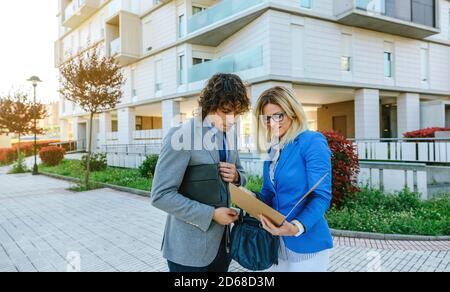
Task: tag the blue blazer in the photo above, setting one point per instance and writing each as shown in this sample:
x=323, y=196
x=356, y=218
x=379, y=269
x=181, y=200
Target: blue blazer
x=301, y=165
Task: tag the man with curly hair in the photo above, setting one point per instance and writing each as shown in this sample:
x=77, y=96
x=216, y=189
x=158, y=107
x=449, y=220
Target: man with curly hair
x=197, y=235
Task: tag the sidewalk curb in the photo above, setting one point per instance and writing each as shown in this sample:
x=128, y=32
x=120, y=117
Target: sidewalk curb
x=379, y=236
x=105, y=185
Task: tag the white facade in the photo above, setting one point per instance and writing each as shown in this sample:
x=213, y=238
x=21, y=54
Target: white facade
x=344, y=72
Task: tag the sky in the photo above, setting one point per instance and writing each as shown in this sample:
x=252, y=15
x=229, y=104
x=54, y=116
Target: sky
x=28, y=30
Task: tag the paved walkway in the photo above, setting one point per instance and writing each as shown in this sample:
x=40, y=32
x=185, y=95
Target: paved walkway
x=44, y=227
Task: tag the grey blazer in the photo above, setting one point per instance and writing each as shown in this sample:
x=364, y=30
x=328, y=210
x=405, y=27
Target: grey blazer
x=191, y=237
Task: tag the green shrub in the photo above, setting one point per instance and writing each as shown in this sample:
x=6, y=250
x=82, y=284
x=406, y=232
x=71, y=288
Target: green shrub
x=254, y=183
x=400, y=213
x=98, y=162
x=147, y=169
x=19, y=166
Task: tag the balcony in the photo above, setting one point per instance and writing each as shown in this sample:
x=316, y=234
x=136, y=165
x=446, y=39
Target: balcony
x=223, y=20
x=78, y=11
x=117, y=6
x=415, y=19
x=247, y=60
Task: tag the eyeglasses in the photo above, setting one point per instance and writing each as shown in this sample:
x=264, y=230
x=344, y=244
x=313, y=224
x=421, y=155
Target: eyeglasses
x=277, y=118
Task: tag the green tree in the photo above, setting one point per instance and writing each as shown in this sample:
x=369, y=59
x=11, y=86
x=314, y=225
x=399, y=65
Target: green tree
x=94, y=82
x=17, y=116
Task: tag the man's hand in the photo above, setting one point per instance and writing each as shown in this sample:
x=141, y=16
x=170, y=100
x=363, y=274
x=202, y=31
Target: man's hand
x=229, y=173
x=225, y=216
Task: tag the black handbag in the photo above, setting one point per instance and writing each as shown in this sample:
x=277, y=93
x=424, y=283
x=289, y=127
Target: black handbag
x=252, y=246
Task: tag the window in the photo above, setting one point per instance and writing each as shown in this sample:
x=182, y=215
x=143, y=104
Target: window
x=346, y=64
x=424, y=60
x=133, y=83
x=181, y=71
x=306, y=4
x=196, y=9
x=388, y=64
x=158, y=77
x=346, y=59
x=181, y=26
x=196, y=61
x=423, y=12
x=449, y=25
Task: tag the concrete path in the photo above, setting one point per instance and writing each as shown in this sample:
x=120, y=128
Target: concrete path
x=44, y=227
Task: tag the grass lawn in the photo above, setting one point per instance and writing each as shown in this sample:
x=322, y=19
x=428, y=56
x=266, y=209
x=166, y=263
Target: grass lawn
x=130, y=178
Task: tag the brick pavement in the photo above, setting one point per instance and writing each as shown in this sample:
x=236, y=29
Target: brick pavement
x=44, y=227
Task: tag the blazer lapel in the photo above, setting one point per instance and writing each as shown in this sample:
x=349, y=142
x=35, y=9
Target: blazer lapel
x=213, y=152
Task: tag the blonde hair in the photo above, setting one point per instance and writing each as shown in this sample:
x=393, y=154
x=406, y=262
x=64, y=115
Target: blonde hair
x=286, y=99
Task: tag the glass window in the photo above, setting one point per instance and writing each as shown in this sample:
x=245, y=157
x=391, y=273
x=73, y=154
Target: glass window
x=306, y=4
x=196, y=9
x=424, y=64
x=387, y=64
x=346, y=64
x=158, y=77
x=181, y=71
x=181, y=26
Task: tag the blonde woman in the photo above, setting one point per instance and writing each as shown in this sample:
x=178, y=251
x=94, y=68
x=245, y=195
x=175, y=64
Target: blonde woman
x=298, y=160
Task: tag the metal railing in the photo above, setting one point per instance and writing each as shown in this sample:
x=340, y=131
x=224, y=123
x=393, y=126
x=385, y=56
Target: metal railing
x=130, y=155
x=424, y=150
x=72, y=146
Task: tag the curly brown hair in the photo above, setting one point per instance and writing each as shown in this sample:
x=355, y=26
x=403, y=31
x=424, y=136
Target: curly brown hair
x=225, y=92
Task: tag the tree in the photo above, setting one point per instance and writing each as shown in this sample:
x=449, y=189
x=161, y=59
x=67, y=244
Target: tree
x=17, y=115
x=94, y=82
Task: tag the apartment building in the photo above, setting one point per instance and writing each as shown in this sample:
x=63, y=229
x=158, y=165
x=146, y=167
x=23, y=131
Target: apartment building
x=368, y=69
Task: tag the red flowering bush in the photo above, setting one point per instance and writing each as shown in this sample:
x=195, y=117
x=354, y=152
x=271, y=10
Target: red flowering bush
x=345, y=164
x=40, y=144
x=26, y=149
x=425, y=133
x=7, y=155
x=52, y=155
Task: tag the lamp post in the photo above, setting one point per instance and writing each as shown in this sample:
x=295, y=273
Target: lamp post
x=34, y=81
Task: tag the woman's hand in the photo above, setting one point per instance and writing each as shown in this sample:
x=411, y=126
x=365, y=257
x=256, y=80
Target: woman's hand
x=287, y=229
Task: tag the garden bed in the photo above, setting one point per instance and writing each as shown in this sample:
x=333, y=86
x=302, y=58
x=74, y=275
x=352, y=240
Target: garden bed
x=129, y=178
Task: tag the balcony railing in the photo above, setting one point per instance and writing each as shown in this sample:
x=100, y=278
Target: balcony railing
x=118, y=5
x=416, y=19
x=374, y=6
x=148, y=135
x=223, y=10
x=246, y=60
x=115, y=47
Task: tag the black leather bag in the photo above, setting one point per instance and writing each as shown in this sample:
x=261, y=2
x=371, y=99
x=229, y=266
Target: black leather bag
x=252, y=246
x=202, y=183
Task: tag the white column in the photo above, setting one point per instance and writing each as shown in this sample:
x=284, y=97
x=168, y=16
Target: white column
x=76, y=132
x=63, y=130
x=408, y=113
x=171, y=115
x=367, y=114
x=127, y=125
x=105, y=127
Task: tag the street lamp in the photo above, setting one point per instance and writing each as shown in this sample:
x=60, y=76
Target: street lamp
x=34, y=81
